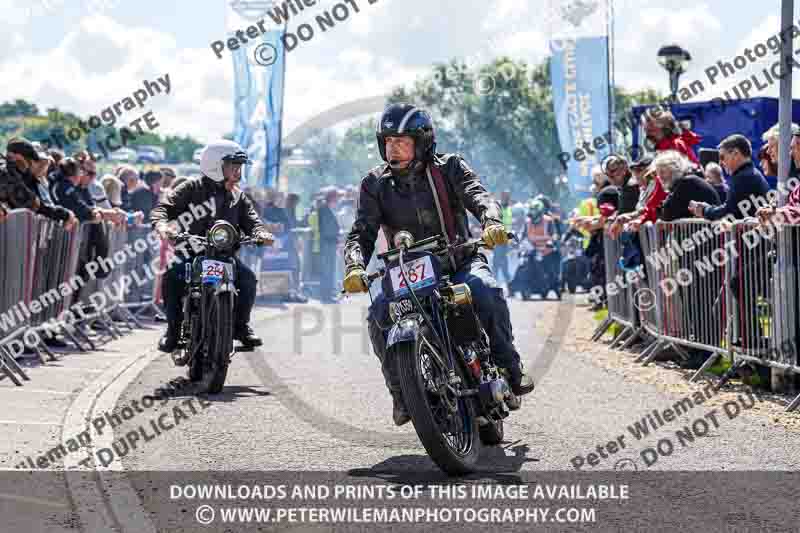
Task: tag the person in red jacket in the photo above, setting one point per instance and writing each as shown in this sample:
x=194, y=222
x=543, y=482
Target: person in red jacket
x=652, y=195
x=666, y=134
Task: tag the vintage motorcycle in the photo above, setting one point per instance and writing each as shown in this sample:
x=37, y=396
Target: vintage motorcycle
x=455, y=394
x=206, y=336
x=537, y=274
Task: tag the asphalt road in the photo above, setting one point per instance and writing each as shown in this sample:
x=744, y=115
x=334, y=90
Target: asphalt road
x=311, y=407
x=314, y=399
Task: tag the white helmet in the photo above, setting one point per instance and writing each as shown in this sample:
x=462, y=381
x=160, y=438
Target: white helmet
x=215, y=153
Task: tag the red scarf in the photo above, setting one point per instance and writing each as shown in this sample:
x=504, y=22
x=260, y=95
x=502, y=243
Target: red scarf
x=682, y=143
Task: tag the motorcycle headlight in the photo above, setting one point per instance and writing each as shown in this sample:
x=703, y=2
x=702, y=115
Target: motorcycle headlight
x=222, y=236
x=403, y=239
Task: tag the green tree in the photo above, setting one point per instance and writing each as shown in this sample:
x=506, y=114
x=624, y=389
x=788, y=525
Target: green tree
x=499, y=116
x=18, y=108
x=357, y=152
x=180, y=148
x=22, y=118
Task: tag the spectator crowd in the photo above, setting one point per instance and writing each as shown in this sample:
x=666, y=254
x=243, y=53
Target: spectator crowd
x=666, y=185
x=670, y=184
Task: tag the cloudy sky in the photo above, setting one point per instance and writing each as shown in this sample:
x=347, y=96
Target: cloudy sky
x=83, y=55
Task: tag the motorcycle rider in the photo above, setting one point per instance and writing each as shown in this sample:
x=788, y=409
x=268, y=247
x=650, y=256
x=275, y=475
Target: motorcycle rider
x=428, y=193
x=221, y=164
x=550, y=212
x=542, y=233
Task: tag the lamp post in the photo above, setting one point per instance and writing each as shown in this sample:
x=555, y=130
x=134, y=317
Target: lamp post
x=674, y=60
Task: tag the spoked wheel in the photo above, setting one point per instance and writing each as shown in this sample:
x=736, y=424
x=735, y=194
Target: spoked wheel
x=446, y=424
x=219, y=343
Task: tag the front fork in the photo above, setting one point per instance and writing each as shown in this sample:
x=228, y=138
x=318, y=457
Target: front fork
x=408, y=330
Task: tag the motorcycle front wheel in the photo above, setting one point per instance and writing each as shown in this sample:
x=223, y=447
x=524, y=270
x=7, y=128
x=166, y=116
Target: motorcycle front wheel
x=196, y=364
x=450, y=438
x=219, y=343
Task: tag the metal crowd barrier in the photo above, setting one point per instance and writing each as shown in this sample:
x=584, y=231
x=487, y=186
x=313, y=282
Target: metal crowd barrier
x=97, y=296
x=764, y=296
x=135, y=258
x=620, y=290
x=40, y=281
x=56, y=254
x=725, y=289
x=17, y=258
x=151, y=257
x=650, y=302
x=689, y=266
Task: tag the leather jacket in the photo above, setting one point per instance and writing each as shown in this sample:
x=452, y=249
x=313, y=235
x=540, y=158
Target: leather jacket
x=20, y=189
x=207, y=202
x=13, y=191
x=407, y=203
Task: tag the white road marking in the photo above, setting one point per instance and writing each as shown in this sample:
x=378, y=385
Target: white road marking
x=37, y=501
x=26, y=423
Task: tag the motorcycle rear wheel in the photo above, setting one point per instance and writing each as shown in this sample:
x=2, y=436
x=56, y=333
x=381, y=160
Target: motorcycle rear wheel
x=455, y=453
x=220, y=343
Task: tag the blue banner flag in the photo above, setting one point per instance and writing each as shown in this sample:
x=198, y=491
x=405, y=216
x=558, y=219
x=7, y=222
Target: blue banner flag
x=258, y=106
x=579, y=72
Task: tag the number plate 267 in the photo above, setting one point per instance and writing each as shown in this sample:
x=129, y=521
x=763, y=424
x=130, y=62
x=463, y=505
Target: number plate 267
x=419, y=274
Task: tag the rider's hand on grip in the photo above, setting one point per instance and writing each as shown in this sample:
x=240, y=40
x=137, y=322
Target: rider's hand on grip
x=166, y=231
x=495, y=234
x=355, y=282
x=264, y=238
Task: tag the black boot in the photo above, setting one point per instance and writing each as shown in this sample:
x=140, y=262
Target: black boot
x=520, y=382
x=247, y=337
x=169, y=342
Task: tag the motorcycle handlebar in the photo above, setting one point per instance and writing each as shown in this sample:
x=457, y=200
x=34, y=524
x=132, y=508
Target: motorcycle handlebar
x=370, y=278
x=480, y=242
x=180, y=237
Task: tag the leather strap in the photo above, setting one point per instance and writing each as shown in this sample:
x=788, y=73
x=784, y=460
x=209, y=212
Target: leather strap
x=446, y=217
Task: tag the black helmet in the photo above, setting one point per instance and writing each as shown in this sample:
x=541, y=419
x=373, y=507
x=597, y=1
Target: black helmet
x=545, y=201
x=536, y=210
x=240, y=157
x=407, y=119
